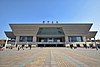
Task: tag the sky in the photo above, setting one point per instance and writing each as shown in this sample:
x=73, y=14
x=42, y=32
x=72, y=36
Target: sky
x=36, y=11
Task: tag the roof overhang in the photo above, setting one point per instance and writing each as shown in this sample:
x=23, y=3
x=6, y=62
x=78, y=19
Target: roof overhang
x=30, y=29
x=91, y=34
x=10, y=34
x=16, y=26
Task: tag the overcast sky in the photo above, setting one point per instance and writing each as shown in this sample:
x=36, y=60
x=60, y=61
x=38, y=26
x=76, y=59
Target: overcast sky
x=32, y=11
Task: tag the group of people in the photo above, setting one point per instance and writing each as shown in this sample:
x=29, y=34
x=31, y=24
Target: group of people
x=22, y=46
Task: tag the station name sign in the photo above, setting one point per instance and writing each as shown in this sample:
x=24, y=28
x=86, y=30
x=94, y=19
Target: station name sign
x=49, y=22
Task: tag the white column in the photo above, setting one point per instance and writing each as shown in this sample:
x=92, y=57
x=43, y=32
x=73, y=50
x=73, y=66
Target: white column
x=15, y=43
x=34, y=39
x=17, y=40
x=84, y=39
x=27, y=43
x=6, y=43
x=95, y=43
x=66, y=39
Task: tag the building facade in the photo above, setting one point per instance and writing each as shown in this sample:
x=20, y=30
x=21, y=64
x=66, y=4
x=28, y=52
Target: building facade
x=52, y=35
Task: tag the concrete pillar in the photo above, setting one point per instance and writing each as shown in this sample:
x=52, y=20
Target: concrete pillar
x=27, y=43
x=6, y=43
x=17, y=40
x=34, y=39
x=95, y=43
x=66, y=39
x=84, y=39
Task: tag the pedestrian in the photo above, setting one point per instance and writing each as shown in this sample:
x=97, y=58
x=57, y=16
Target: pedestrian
x=18, y=47
x=71, y=46
x=29, y=46
x=23, y=46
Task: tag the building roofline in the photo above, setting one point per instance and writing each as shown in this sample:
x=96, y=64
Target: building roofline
x=9, y=34
x=50, y=23
x=93, y=31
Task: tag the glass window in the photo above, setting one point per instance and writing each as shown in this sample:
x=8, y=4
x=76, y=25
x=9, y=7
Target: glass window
x=13, y=39
x=26, y=38
x=50, y=31
x=75, y=38
x=29, y=38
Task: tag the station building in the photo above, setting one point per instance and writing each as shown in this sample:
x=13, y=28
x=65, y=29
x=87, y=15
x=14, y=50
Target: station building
x=52, y=34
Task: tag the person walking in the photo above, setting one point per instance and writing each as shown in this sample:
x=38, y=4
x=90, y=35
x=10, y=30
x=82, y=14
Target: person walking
x=29, y=46
x=18, y=47
x=23, y=46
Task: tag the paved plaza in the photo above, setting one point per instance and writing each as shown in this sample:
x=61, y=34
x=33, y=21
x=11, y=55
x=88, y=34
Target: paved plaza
x=50, y=57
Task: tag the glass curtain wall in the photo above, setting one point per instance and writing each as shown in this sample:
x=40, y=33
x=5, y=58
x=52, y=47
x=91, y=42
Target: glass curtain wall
x=39, y=39
x=26, y=38
x=75, y=39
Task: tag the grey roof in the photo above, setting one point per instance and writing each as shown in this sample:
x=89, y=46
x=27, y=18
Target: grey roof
x=91, y=34
x=10, y=34
x=68, y=29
